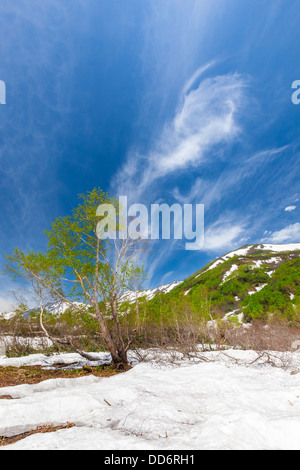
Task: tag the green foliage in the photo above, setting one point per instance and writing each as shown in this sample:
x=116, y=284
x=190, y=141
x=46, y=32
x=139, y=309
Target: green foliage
x=276, y=298
x=207, y=294
x=78, y=266
x=71, y=270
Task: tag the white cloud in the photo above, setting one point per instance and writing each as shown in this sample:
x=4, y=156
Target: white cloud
x=290, y=208
x=188, y=85
x=205, y=120
x=210, y=192
x=222, y=237
x=287, y=234
x=6, y=304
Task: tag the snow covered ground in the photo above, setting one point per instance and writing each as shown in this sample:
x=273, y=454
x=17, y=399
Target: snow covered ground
x=34, y=342
x=229, y=400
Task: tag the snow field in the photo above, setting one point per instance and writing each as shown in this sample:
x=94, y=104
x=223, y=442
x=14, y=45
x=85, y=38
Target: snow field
x=223, y=404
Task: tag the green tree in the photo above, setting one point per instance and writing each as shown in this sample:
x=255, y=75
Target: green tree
x=79, y=267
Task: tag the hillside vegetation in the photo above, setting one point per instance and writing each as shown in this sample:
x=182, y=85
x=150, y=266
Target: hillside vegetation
x=255, y=285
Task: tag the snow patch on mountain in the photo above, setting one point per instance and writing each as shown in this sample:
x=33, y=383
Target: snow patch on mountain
x=257, y=289
x=130, y=296
x=243, y=252
x=280, y=248
x=233, y=268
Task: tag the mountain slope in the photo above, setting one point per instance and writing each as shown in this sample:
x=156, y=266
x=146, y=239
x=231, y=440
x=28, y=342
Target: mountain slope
x=253, y=282
x=130, y=296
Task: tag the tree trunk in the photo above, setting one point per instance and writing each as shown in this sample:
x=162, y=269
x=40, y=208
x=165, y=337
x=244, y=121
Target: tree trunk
x=116, y=355
x=122, y=351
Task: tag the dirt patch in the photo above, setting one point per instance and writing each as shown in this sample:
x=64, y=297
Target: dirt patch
x=5, y=441
x=10, y=376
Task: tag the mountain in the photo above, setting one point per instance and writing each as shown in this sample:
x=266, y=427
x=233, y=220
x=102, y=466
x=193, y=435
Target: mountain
x=54, y=308
x=7, y=315
x=60, y=307
x=253, y=282
x=130, y=296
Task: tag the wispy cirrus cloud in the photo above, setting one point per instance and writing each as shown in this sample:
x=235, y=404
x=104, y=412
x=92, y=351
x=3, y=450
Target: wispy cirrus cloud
x=226, y=232
x=222, y=235
x=206, y=119
x=211, y=191
x=291, y=233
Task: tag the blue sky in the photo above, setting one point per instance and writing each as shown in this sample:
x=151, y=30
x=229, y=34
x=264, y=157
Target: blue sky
x=183, y=101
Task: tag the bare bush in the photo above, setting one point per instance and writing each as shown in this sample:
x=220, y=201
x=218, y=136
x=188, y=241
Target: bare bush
x=274, y=336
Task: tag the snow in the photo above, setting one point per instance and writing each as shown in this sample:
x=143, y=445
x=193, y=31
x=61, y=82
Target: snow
x=57, y=308
x=238, y=316
x=212, y=266
x=215, y=264
x=48, y=361
x=280, y=248
x=220, y=400
x=7, y=315
x=130, y=296
x=241, y=252
x=34, y=342
x=257, y=289
x=60, y=307
x=274, y=259
x=54, y=308
x=233, y=268
x=233, y=401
